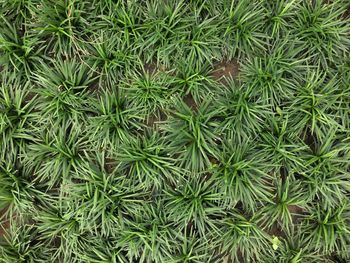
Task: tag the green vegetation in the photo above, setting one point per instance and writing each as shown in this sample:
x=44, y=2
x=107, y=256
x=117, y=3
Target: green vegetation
x=174, y=131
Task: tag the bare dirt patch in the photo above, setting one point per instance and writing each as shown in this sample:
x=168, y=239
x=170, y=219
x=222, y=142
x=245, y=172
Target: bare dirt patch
x=225, y=70
x=152, y=68
x=109, y=165
x=189, y=100
x=4, y=223
x=297, y=213
x=154, y=120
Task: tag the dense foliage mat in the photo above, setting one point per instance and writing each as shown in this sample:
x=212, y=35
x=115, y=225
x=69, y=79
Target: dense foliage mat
x=174, y=131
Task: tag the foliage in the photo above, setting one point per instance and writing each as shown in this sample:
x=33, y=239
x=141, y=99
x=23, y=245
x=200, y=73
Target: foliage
x=174, y=131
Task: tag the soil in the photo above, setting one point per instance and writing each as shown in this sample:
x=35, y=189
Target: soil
x=310, y=140
x=346, y=13
x=152, y=68
x=109, y=165
x=296, y=212
x=5, y=224
x=225, y=70
x=189, y=100
x=276, y=230
x=154, y=120
x=3, y=228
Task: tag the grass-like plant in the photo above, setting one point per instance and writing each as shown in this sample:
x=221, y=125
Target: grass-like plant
x=54, y=153
x=243, y=27
x=192, y=135
x=241, y=238
x=113, y=120
x=17, y=11
x=16, y=115
x=327, y=230
x=149, y=91
x=61, y=25
x=288, y=196
x=321, y=30
x=148, y=236
x=242, y=176
x=274, y=76
x=327, y=168
x=64, y=88
x=146, y=160
x=174, y=131
x=279, y=13
x=17, y=194
x=281, y=146
x=191, y=248
x=192, y=203
x=243, y=114
x=316, y=104
x=19, y=50
x=18, y=245
x=194, y=80
x=165, y=28
x=108, y=56
x=295, y=249
x=202, y=43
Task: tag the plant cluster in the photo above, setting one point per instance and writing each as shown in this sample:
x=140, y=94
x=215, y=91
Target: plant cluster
x=175, y=131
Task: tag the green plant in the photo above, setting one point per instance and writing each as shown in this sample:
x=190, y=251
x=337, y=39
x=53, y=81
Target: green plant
x=242, y=176
x=321, y=30
x=192, y=248
x=201, y=44
x=288, y=196
x=148, y=236
x=325, y=176
x=55, y=153
x=279, y=14
x=316, y=104
x=194, y=80
x=19, y=50
x=327, y=230
x=241, y=238
x=146, y=160
x=149, y=91
x=18, y=245
x=165, y=28
x=241, y=113
x=191, y=135
x=274, y=76
x=282, y=146
x=61, y=24
x=109, y=55
x=192, y=204
x=16, y=116
x=17, y=194
x=113, y=120
x=174, y=131
x=243, y=27
x=294, y=249
x=63, y=89
x=17, y=11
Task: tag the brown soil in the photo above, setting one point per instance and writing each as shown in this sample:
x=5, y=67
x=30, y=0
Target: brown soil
x=296, y=212
x=5, y=224
x=226, y=70
x=310, y=140
x=152, y=68
x=346, y=13
x=154, y=120
x=189, y=100
x=275, y=230
x=109, y=165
